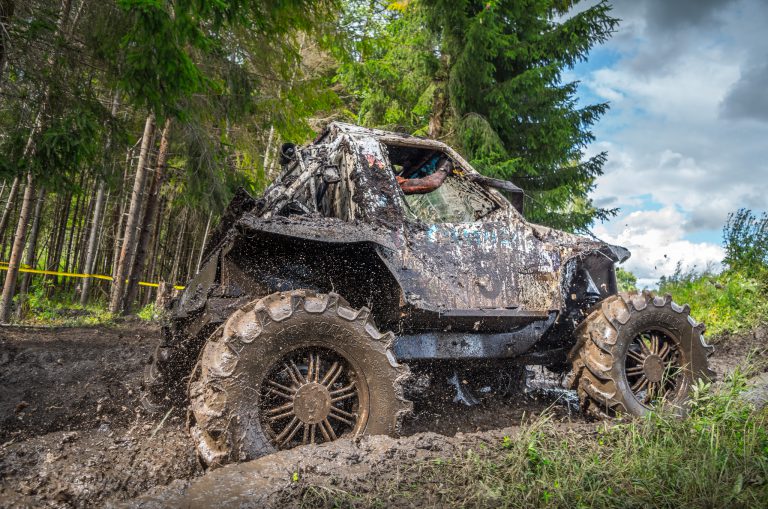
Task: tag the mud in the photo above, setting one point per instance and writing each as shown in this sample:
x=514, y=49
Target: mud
x=74, y=434
x=66, y=379
x=732, y=350
x=278, y=480
x=72, y=430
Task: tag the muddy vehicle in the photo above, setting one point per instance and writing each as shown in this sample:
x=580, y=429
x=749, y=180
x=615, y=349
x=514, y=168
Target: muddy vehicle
x=375, y=251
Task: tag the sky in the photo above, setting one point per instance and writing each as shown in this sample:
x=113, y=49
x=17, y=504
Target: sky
x=687, y=131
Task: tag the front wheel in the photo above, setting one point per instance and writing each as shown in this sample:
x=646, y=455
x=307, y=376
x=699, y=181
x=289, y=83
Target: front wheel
x=637, y=351
x=290, y=369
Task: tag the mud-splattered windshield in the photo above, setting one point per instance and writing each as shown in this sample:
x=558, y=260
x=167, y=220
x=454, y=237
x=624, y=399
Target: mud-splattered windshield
x=434, y=190
x=456, y=201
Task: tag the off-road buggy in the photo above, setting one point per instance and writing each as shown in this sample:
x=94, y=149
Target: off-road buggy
x=314, y=299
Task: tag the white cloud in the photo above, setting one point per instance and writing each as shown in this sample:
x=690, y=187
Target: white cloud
x=655, y=238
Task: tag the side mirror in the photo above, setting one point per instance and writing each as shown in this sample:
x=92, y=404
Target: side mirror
x=511, y=192
x=287, y=153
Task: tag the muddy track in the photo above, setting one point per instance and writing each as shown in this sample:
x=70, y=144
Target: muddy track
x=65, y=379
x=74, y=434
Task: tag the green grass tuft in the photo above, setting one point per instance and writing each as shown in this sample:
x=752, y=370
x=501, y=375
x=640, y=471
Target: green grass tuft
x=64, y=311
x=726, y=302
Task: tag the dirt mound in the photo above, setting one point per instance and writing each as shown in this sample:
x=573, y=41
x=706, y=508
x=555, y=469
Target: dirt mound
x=87, y=468
x=731, y=350
x=279, y=479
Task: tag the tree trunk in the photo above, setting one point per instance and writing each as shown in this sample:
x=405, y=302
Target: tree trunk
x=155, y=245
x=167, y=245
x=90, y=256
x=117, y=304
x=179, y=242
x=73, y=233
x=9, y=286
x=190, y=253
x=439, y=106
x=6, y=13
x=439, y=100
x=7, y=212
x=202, y=245
x=270, y=140
x=148, y=222
x=57, y=245
x=98, y=209
x=82, y=237
x=31, y=253
x=6, y=301
x=120, y=210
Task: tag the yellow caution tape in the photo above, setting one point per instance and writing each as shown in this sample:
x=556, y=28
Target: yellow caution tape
x=27, y=268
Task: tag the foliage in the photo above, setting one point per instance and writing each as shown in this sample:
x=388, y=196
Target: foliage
x=728, y=302
x=717, y=457
x=514, y=116
x=150, y=313
x=389, y=67
x=745, y=237
x=81, y=77
x=64, y=311
x=626, y=280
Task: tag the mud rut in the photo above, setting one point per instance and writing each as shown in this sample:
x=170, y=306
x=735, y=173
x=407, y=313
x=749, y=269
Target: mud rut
x=73, y=433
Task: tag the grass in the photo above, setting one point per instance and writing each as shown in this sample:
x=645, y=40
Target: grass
x=727, y=302
x=717, y=457
x=65, y=312
x=150, y=313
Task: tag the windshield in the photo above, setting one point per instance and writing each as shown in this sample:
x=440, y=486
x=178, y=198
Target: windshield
x=457, y=200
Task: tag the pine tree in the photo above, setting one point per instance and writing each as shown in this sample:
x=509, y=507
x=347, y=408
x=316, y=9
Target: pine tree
x=514, y=114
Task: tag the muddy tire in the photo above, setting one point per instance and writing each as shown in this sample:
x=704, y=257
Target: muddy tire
x=637, y=351
x=293, y=368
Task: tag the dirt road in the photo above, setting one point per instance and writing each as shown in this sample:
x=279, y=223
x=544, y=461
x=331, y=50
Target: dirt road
x=73, y=434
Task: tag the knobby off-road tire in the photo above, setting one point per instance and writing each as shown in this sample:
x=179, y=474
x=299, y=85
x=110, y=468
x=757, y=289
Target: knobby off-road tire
x=293, y=368
x=635, y=351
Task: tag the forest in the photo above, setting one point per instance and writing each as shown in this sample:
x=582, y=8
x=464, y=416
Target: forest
x=127, y=125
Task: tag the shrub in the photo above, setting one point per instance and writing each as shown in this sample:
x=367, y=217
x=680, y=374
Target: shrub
x=626, y=280
x=726, y=302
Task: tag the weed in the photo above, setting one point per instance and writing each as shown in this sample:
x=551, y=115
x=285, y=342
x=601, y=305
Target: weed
x=63, y=311
x=150, y=313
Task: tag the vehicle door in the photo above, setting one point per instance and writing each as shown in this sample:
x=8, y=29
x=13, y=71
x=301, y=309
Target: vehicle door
x=467, y=249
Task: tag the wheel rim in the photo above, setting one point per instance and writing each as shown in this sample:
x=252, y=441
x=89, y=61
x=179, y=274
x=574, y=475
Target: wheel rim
x=312, y=395
x=652, y=366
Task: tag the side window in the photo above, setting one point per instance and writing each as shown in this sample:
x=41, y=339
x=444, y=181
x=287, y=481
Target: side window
x=435, y=191
x=457, y=200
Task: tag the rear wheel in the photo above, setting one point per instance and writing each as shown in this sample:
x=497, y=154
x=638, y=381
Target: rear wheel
x=635, y=352
x=293, y=368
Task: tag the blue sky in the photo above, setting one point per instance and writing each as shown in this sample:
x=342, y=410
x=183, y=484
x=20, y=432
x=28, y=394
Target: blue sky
x=687, y=132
